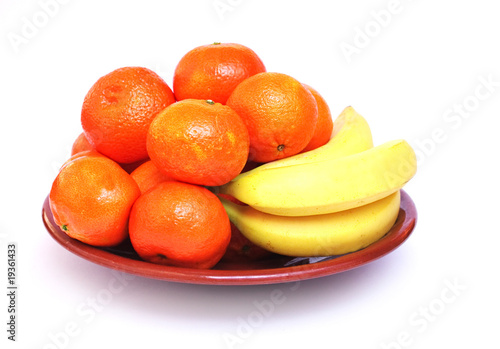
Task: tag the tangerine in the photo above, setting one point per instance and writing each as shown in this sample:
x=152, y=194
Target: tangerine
x=213, y=71
x=91, y=199
x=324, y=126
x=279, y=112
x=118, y=110
x=80, y=144
x=147, y=176
x=179, y=224
x=199, y=142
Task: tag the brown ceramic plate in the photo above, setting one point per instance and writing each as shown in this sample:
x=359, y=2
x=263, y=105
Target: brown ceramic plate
x=275, y=269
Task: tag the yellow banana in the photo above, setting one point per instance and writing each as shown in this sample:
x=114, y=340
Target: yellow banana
x=351, y=134
x=327, y=186
x=321, y=235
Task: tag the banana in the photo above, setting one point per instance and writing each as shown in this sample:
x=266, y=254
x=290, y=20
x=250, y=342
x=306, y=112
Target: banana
x=315, y=236
x=351, y=134
x=329, y=185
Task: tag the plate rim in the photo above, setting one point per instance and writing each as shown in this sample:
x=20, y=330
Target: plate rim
x=398, y=234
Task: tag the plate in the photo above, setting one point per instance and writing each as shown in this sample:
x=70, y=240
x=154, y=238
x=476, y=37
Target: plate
x=275, y=269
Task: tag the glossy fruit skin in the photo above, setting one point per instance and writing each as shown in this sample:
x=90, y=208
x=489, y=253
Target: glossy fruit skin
x=324, y=126
x=213, y=71
x=198, y=142
x=179, y=224
x=327, y=186
x=322, y=235
x=279, y=112
x=351, y=134
x=148, y=176
x=118, y=110
x=91, y=199
x=81, y=144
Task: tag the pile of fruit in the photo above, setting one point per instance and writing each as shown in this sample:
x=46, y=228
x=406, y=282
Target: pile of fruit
x=233, y=162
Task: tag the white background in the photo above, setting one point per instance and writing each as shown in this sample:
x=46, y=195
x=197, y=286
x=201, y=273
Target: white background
x=408, y=73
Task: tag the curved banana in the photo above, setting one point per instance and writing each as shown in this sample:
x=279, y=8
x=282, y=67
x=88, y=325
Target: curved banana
x=351, y=134
x=315, y=236
x=329, y=185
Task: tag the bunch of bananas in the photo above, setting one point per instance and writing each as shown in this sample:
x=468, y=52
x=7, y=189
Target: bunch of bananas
x=333, y=200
